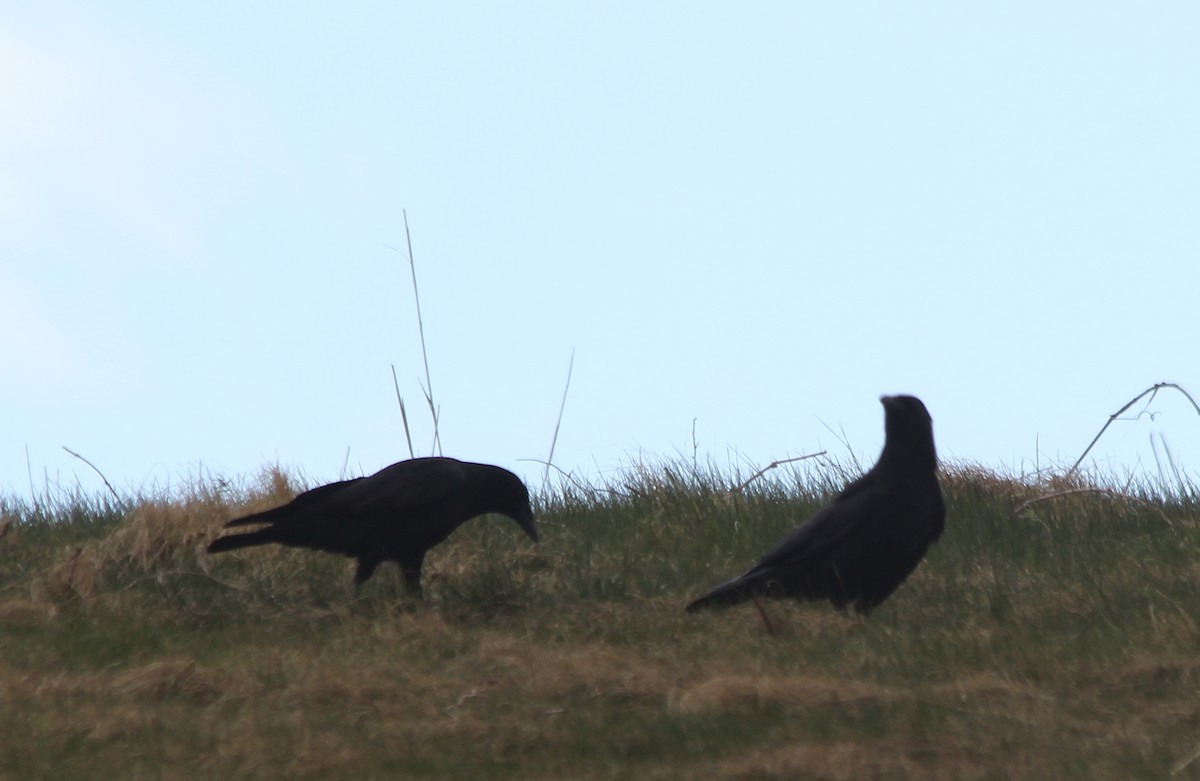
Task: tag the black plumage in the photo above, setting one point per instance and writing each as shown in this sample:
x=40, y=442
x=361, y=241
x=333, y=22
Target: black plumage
x=862, y=545
x=396, y=514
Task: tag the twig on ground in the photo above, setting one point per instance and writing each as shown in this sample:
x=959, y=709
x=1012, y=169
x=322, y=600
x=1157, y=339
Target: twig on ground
x=181, y=574
x=1152, y=391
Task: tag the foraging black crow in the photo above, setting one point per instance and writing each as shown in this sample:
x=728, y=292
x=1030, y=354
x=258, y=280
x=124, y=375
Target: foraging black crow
x=396, y=514
x=862, y=545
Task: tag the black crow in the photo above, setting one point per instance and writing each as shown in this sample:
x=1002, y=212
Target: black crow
x=396, y=514
x=862, y=545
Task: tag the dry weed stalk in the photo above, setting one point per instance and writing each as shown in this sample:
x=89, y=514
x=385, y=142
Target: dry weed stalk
x=1152, y=391
x=1076, y=489
x=769, y=467
x=427, y=387
x=1093, y=490
x=558, y=422
x=95, y=469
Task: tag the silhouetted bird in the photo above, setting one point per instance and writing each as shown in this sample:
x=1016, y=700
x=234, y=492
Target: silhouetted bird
x=862, y=545
x=396, y=514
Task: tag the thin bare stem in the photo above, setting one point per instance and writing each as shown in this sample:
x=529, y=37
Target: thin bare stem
x=771, y=466
x=412, y=264
x=403, y=413
x=427, y=389
x=1152, y=391
x=29, y=472
x=562, y=405
x=107, y=484
x=1102, y=491
x=695, y=449
x=582, y=487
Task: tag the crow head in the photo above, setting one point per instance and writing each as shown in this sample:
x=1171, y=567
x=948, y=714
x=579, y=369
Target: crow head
x=909, y=431
x=524, y=518
x=510, y=497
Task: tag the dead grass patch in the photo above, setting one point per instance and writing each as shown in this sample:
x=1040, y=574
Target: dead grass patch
x=22, y=611
x=843, y=761
x=157, y=537
x=740, y=692
x=177, y=678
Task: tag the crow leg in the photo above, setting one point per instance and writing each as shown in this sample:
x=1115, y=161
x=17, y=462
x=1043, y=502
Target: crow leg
x=411, y=567
x=366, y=568
x=762, y=612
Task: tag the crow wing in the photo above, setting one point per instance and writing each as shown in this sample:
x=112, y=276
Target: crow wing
x=311, y=499
x=813, y=540
x=401, y=487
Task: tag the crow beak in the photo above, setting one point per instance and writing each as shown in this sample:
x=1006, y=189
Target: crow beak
x=527, y=525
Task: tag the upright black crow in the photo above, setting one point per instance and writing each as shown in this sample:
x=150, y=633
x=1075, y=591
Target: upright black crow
x=396, y=514
x=863, y=544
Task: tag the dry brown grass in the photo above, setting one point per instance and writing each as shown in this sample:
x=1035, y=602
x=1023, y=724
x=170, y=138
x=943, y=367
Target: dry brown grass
x=347, y=705
x=1030, y=645
x=303, y=714
x=159, y=537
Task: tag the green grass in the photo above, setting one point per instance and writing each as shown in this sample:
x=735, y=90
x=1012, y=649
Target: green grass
x=1057, y=641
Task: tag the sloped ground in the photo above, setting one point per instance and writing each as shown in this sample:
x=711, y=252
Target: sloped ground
x=1055, y=641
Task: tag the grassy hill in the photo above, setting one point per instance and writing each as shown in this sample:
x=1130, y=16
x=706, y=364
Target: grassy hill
x=1052, y=639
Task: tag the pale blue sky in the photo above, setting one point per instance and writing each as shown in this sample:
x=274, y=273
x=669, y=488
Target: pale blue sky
x=758, y=216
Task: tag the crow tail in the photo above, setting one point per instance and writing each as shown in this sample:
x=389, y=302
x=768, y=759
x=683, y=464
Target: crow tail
x=237, y=541
x=731, y=593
